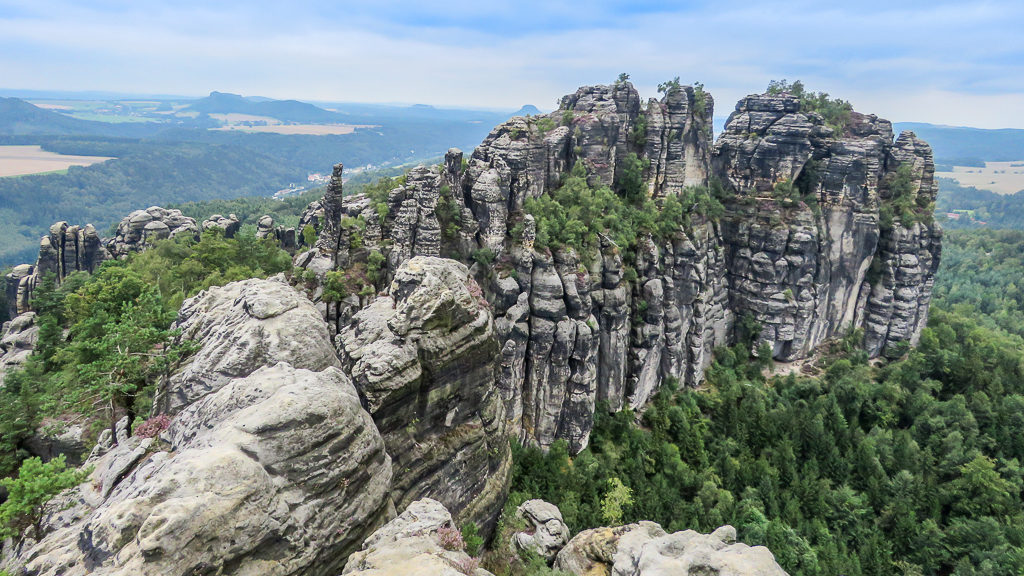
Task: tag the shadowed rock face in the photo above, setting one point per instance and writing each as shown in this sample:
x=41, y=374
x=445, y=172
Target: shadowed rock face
x=802, y=271
x=574, y=333
x=424, y=358
x=274, y=469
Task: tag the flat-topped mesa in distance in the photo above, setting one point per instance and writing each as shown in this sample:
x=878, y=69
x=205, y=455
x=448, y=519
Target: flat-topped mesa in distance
x=810, y=230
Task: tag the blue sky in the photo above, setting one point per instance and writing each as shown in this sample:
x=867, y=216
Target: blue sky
x=958, y=63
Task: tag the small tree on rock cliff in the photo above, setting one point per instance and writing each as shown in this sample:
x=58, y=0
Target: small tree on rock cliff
x=36, y=484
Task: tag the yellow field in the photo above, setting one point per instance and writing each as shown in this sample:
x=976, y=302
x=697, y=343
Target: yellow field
x=24, y=160
x=999, y=177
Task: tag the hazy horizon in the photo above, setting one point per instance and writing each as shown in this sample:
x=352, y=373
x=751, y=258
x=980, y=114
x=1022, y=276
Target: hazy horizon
x=938, y=62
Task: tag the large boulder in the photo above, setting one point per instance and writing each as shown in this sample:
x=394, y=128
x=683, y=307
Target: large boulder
x=645, y=549
x=422, y=541
x=546, y=532
x=426, y=359
x=274, y=468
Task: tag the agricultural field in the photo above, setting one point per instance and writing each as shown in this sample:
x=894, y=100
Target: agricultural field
x=295, y=129
x=25, y=160
x=998, y=177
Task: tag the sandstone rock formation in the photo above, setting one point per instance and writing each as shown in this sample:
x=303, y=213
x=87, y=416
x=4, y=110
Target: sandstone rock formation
x=546, y=532
x=142, y=226
x=424, y=358
x=802, y=270
x=284, y=235
x=645, y=549
x=577, y=330
x=17, y=341
x=229, y=224
x=421, y=541
x=270, y=466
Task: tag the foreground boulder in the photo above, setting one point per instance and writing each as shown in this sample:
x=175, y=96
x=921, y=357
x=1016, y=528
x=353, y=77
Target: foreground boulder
x=269, y=467
x=423, y=541
x=645, y=549
x=425, y=358
x=546, y=532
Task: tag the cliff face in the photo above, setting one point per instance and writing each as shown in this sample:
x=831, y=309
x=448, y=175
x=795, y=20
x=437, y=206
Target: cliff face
x=803, y=270
x=808, y=245
x=268, y=464
x=423, y=356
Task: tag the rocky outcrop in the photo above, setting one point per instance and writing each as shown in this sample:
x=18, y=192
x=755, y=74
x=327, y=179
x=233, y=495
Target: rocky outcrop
x=284, y=235
x=65, y=250
x=800, y=265
x=144, y=226
x=423, y=540
x=801, y=247
x=17, y=341
x=546, y=532
x=269, y=466
x=645, y=549
x=424, y=357
x=229, y=225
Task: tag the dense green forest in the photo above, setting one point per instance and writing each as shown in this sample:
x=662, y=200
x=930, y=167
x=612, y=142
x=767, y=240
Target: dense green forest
x=904, y=467
x=93, y=362
x=982, y=208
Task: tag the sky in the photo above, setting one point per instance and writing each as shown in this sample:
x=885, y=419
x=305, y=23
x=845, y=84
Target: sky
x=956, y=63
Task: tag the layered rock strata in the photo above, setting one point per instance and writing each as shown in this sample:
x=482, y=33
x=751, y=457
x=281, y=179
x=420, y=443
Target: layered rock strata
x=423, y=357
x=580, y=330
x=269, y=466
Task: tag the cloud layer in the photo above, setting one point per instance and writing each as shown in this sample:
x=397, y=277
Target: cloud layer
x=942, y=62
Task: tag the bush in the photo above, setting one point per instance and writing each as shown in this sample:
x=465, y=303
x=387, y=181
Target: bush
x=37, y=482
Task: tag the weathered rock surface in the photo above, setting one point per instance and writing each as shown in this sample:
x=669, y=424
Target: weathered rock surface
x=645, y=549
x=230, y=225
x=573, y=332
x=546, y=533
x=273, y=469
x=802, y=270
x=425, y=358
x=144, y=226
x=17, y=341
x=414, y=544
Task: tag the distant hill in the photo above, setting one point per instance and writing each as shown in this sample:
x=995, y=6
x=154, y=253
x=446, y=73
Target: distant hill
x=20, y=118
x=968, y=146
x=528, y=110
x=284, y=110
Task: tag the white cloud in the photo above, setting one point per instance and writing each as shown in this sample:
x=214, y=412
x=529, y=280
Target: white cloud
x=939, y=62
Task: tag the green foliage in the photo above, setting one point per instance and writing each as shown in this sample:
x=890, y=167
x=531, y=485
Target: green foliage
x=907, y=467
x=835, y=111
x=544, y=125
x=472, y=538
x=630, y=178
x=616, y=498
x=638, y=134
x=104, y=339
x=449, y=216
x=700, y=97
x=981, y=278
x=622, y=79
x=670, y=86
x=576, y=213
x=309, y=236
x=37, y=482
x=484, y=257
x=903, y=203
